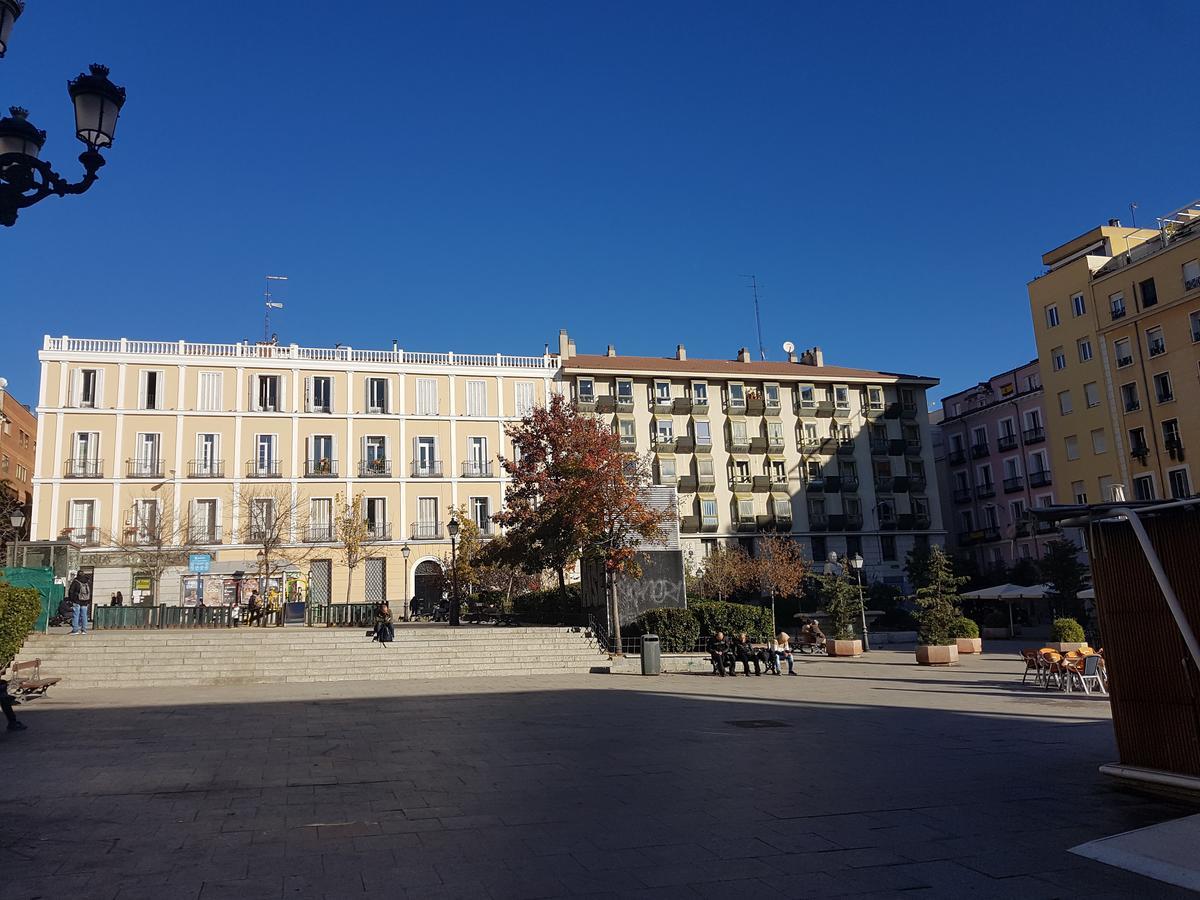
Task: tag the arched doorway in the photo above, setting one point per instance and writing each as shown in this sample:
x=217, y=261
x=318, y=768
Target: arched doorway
x=428, y=583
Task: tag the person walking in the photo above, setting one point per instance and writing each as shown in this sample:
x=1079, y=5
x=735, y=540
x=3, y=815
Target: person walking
x=255, y=607
x=80, y=595
x=6, y=704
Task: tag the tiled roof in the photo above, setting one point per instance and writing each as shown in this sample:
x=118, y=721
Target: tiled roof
x=729, y=368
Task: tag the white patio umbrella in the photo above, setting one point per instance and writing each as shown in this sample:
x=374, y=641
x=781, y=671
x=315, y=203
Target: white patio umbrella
x=1009, y=593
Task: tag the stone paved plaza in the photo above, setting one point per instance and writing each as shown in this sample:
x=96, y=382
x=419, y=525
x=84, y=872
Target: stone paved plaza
x=862, y=777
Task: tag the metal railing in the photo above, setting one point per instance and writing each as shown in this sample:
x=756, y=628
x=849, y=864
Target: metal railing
x=344, y=615
x=266, y=469
x=426, y=531
x=379, y=531
x=318, y=534
x=1034, y=435
x=86, y=537
x=1013, y=484
x=247, y=350
x=143, y=468
x=156, y=617
x=83, y=468
x=204, y=534
x=320, y=468
x=473, y=468
x=206, y=468
x=427, y=469
x=1039, y=479
x=374, y=468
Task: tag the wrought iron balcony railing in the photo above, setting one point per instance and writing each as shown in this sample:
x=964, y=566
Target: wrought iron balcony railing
x=426, y=531
x=206, y=468
x=477, y=468
x=143, y=468
x=268, y=468
x=379, y=467
x=427, y=469
x=320, y=468
x=83, y=468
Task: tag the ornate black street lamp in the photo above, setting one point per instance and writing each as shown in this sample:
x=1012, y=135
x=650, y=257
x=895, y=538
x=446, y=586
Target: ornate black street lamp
x=454, y=607
x=24, y=178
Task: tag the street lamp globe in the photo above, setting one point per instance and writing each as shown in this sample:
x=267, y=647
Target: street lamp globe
x=406, y=551
x=452, y=527
x=17, y=518
x=98, y=103
x=857, y=561
x=18, y=134
x=10, y=11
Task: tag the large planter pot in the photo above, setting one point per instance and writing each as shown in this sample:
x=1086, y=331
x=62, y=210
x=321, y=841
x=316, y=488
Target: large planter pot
x=1067, y=647
x=935, y=655
x=969, y=645
x=844, y=648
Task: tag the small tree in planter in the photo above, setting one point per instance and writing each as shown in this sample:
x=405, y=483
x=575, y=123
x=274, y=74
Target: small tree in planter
x=844, y=609
x=966, y=635
x=1066, y=634
x=937, y=601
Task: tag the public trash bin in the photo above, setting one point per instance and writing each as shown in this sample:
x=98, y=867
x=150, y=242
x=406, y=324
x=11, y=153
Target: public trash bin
x=651, y=655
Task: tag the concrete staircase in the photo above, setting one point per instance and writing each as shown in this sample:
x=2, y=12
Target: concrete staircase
x=277, y=655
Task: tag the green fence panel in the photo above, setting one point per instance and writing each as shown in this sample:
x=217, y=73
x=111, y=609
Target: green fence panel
x=42, y=580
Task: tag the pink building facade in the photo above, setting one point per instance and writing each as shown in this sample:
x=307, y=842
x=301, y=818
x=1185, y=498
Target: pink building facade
x=993, y=466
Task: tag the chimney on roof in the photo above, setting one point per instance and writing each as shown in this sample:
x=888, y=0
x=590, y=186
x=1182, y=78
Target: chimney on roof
x=1115, y=223
x=612, y=351
x=744, y=355
x=564, y=344
x=792, y=356
x=680, y=352
x=571, y=347
x=812, y=357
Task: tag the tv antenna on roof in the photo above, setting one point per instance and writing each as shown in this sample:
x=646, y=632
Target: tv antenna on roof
x=270, y=304
x=762, y=353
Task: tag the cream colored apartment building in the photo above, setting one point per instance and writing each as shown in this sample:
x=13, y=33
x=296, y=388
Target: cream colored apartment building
x=133, y=432
x=1117, y=321
x=840, y=459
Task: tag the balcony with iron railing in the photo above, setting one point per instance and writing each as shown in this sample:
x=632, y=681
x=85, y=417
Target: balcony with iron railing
x=884, y=484
x=84, y=536
x=204, y=533
x=887, y=522
x=143, y=468
x=379, y=531
x=908, y=410
x=854, y=521
x=1006, y=442
x=912, y=447
x=985, y=490
x=849, y=484
x=1034, y=435
x=979, y=451
x=956, y=457
x=818, y=521
x=83, y=468
x=262, y=468
x=879, y=446
x=477, y=468
x=815, y=483
x=916, y=481
x=775, y=522
x=426, y=531
x=962, y=495
x=427, y=468
x=206, y=468
x=318, y=534
x=1039, y=479
x=845, y=446
x=320, y=468
x=1013, y=484
x=379, y=467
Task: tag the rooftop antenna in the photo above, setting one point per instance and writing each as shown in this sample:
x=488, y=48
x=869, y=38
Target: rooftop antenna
x=1133, y=214
x=271, y=304
x=762, y=353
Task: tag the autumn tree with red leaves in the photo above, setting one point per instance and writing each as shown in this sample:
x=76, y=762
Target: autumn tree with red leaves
x=574, y=494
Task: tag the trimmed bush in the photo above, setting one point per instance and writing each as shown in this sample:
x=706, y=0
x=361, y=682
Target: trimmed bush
x=965, y=628
x=733, y=618
x=1067, y=631
x=19, y=609
x=677, y=629
x=552, y=607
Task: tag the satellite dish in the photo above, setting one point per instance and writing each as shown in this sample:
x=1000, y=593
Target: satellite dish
x=788, y=346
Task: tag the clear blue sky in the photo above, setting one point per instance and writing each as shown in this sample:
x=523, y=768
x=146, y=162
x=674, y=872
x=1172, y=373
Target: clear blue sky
x=475, y=176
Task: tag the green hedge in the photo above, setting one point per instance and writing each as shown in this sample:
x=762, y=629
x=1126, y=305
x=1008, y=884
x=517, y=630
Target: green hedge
x=965, y=628
x=733, y=618
x=677, y=629
x=19, y=609
x=1067, y=631
x=550, y=607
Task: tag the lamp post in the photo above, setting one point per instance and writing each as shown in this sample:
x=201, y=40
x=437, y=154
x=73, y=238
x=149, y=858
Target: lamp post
x=453, y=529
x=406, y=552
x=24, y=178
x=856, y=562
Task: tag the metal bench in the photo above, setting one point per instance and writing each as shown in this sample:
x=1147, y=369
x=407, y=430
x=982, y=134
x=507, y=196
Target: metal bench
x=32, y=684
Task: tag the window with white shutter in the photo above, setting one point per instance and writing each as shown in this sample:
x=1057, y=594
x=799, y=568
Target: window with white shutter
x=427, y=397
x=524, y=398
x=209, y=399
x=476, y=398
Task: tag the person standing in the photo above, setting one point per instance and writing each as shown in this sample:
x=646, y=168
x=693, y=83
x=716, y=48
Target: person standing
x=80, y=595
x=120, y=599
x=255, y=607
x=6, y=704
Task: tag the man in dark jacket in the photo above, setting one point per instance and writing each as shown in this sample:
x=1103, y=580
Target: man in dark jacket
x=744, y=652
x=721, y=655
x=80, y=595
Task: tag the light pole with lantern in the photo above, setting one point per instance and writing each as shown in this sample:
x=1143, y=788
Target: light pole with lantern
x=24, y=178
x=856, y=562
x=453, y=529
x=406, y=552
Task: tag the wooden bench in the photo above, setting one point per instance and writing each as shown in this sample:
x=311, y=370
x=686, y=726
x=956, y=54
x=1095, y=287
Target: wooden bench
x=32, y=684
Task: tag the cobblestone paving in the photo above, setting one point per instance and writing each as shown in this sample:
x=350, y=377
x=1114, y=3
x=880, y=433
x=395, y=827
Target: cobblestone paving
x=863, y=777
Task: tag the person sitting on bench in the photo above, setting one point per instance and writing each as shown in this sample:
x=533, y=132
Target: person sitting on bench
x=783, y=650
x=744, y=652
x=721, y=655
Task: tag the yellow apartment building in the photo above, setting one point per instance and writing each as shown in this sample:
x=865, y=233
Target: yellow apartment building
x=1116, y=316
x=219, y=439
x=840, y=459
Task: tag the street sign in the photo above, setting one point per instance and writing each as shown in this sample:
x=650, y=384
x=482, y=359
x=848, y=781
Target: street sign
x=199, y=563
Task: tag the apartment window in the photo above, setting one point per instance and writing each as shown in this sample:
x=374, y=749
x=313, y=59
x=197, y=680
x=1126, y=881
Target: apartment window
x=699, y=392
x=87, y=388
x=1123, y=349
x=375, y=515
x=979, y=436
x=1143, y=487
x=374, y=455
x=664, y=430
x=82, y=518
x=1191, y=274
x=1162, y=387
x=662, y=392
x=476, y=398
x=967, y=519
x=209, y=399
x=1033, y=381
x=204, y=521
x=427, y=518
x=874, y=397
x=841, y=396
x=887, y=547
x=145, y=522
x=737, y=431
x=320, y=519
x=778, y=470
x=708, y=510
x=1137, y=441
x=150, y=390
x=1079, y=491
x=22, y=473
x=666, y=470
x=1072, y=443
x=808, y=396
x=813, y=470
x=745, y=509
x=318, y=394
x=1012, y=468
x=264, y=458
x=775, y=434
x=737, y=395
x=425, y=457
x=523, y=393
x=771, y=393
x=1099, y=441
x=267, y=393
x=1052, y=315
x=427, y=399
x=1078, y=306
x=703, y=432
x=626, y=430
x=320, y=460
x=1091, y=394
x=1156, y=344
x=1116, y=305
x=1064, y=402
x=1084, y=346
x=1194, y=322
x=1129, y=396
x=1180, y=484
x=1017, y=510
x=1149, y=293
x=481, y=514
x=262, y=519
x=984, y=476
x=781, y=507
x=1037, y=462
x=1170, y=433
x=811, y=437
x=208, y=454
x=585, y=390
x=1059, y=358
